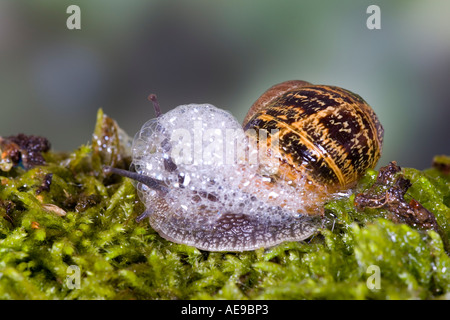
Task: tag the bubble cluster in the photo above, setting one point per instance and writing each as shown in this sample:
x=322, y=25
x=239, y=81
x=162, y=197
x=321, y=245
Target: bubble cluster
x=217, y=198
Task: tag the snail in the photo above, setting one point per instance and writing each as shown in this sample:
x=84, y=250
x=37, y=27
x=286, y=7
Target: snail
x=209, y=182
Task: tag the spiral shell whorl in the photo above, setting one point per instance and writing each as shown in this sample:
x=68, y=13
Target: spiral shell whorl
x=327, y=133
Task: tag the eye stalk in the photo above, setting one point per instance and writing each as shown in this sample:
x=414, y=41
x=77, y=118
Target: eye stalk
x=148, y=181
x=152, y=97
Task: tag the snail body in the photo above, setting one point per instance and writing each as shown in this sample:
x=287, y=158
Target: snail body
x=197, y=175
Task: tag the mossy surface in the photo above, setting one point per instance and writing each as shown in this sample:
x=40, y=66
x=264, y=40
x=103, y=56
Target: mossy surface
x=86, y=220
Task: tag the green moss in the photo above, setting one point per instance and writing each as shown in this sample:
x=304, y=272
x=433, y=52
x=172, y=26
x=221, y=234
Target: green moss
x=118, y=258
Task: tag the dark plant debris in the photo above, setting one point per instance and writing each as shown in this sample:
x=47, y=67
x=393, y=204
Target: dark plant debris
x=22, y=149
x=388, y=193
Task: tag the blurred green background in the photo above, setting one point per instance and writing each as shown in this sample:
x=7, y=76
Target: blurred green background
x=53, y=80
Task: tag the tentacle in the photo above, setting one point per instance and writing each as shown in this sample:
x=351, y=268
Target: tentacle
x=152, y=183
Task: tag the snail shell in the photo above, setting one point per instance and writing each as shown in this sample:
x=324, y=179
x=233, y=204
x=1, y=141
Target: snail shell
x=194, y=173
x=327, y=133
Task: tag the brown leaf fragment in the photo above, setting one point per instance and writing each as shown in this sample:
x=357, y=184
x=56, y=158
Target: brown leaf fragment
x=54, y=209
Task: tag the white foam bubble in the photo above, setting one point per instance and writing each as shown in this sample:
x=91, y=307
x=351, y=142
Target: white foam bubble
x=189, y=149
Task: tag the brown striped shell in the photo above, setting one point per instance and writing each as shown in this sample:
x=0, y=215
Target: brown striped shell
x=326, y=133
